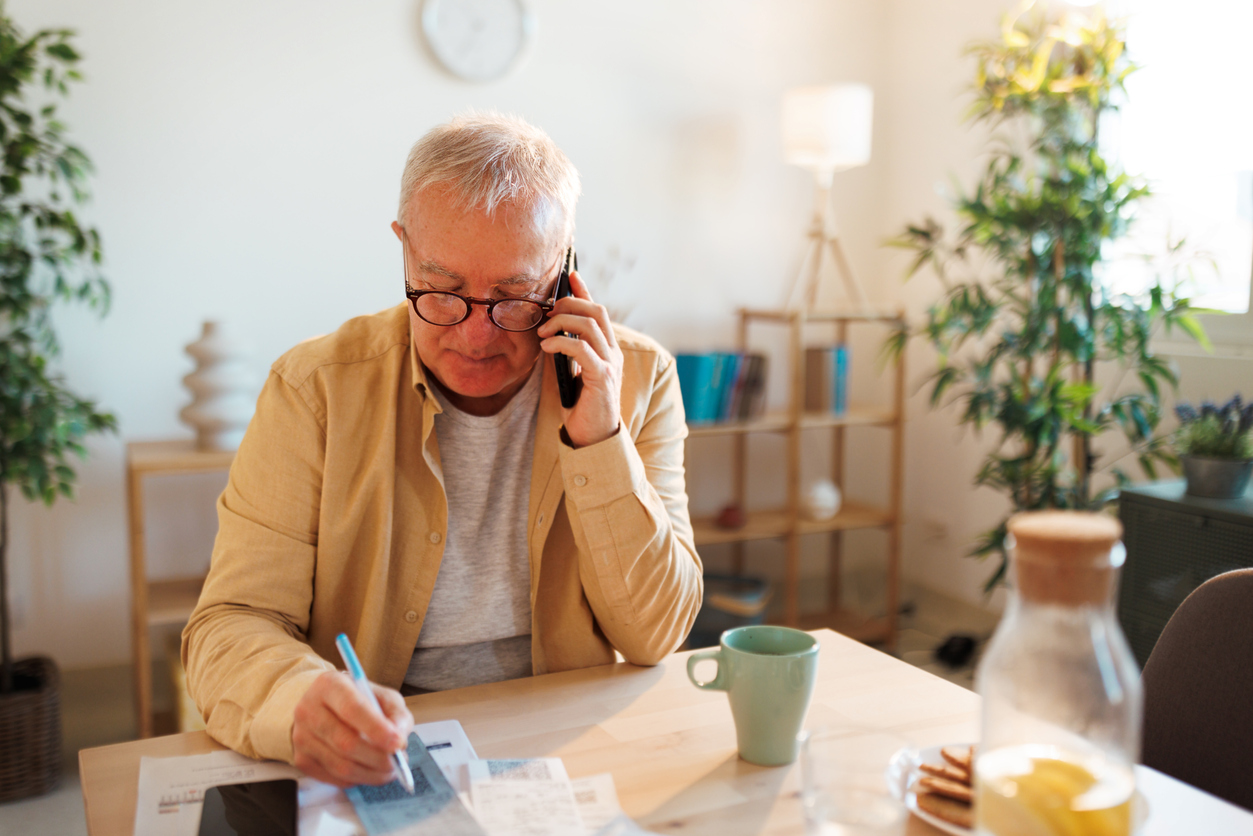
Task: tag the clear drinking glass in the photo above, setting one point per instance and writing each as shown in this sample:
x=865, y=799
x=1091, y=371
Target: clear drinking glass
x=843, y=790
x=1061, y=690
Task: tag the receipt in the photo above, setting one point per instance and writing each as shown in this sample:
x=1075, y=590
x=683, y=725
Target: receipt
x=597, y=800
x=526, y=797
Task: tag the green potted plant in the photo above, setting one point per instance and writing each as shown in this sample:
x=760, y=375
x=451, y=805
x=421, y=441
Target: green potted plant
x=46, y=256
x=1215, y=446
x=1024, y=321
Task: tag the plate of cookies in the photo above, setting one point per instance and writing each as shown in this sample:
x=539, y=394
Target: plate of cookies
x=935, y=785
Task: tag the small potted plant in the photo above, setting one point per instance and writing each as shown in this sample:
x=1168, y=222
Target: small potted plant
x=1216, y=447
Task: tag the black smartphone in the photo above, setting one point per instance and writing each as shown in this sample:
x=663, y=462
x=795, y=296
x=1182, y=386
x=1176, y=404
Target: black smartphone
x=261, y=808
x=569, y=384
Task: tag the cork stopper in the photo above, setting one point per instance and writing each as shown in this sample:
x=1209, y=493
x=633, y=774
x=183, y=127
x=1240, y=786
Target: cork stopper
x=1063, y=557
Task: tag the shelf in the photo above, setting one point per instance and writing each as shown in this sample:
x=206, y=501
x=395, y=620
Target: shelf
x=852, y=515
x=797, y=428
x=762, y=525
x=765, y=424
x=167, y=602
x=781, y=422
x=857, y=416
x=170, y=602
x=868, y=315
x=175, y=456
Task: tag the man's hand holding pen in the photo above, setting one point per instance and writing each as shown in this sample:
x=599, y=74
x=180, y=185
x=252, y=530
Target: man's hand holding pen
x=337, y=737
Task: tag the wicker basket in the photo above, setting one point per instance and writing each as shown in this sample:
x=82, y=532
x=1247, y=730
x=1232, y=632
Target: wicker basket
x=30, y=730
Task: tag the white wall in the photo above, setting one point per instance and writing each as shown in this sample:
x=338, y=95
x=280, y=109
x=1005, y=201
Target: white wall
x=930, y=149
x=248, y=156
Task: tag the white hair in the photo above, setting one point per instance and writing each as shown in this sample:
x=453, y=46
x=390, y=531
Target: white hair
x=486, y=160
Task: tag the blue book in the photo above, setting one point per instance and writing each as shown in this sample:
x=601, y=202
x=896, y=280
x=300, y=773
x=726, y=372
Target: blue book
x=726, y=367
x=696, y=372
x=841, y=380
x=709, y=401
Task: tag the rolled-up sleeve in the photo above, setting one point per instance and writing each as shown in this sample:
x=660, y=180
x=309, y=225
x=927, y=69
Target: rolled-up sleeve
x=244, y=648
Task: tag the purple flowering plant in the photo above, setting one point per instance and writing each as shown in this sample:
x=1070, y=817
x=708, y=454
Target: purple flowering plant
x=1218, y=432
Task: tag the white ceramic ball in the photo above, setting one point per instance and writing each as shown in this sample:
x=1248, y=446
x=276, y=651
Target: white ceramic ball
x=822, y=500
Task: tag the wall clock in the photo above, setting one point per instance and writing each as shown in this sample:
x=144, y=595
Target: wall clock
x=478, y=40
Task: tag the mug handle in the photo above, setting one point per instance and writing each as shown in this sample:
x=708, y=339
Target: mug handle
x=715, y=684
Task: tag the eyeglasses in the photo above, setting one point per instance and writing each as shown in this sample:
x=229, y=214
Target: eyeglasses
x=443, y=307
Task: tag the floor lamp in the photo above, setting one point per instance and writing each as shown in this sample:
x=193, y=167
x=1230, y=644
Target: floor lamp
x=826, y=129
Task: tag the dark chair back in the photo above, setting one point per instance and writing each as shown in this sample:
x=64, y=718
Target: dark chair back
x=1198, y=691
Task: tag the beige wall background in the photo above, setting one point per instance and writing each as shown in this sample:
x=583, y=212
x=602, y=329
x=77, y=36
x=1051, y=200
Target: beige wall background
x=248, y=156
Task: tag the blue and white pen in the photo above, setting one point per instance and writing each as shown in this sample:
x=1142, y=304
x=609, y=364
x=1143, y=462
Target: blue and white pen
x=400, y=760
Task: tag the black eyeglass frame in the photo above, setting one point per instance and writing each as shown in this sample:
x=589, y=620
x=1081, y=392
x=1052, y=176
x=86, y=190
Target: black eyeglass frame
x=414, y=295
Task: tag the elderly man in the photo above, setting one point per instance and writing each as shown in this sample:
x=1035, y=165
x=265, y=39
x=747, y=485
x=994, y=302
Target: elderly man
x=412, y=480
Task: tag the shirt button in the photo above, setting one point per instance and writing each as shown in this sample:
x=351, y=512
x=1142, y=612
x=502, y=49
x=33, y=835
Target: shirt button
x=539, y=520
x=580, y=480
x=411, y=616
x=434, y=538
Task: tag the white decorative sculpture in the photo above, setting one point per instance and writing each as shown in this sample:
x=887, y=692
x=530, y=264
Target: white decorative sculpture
x=223, y=390
x=822, y=500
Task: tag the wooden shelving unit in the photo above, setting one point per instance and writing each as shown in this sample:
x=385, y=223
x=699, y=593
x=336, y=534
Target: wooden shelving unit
x=788, y=522
x=166, y=602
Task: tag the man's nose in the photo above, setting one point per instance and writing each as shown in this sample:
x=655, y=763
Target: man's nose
x=478, y=325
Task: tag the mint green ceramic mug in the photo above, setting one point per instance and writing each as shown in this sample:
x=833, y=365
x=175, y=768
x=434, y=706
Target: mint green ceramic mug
x=768, y=674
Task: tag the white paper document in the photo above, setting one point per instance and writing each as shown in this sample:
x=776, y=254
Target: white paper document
x=597, y=801
x=531, y=797
x=524, y=797
x=171, y=790
x=451, y=750
x=620, y=825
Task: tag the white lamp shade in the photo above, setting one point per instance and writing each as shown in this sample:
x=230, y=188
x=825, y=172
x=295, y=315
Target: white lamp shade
x=827, y=129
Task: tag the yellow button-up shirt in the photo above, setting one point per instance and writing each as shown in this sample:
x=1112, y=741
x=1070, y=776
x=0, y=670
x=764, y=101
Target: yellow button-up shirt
x=334, y=516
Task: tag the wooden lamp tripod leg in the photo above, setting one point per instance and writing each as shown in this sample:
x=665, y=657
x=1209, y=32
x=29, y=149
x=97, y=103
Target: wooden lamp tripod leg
x=846, y=272
x=820, y=241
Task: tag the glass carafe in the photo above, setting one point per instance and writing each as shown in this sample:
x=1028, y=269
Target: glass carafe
x=1061, y=690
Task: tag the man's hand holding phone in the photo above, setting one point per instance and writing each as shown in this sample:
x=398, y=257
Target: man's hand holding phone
x=596, y=414
x=338, y=738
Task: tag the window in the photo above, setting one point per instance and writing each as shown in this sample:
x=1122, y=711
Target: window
x=1188, y=127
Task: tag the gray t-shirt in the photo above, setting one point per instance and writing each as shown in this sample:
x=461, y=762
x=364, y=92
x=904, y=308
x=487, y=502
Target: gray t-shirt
x=478, y=625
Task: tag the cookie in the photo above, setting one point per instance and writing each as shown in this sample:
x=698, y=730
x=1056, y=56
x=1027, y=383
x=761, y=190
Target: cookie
x=961, y=757
x=951, y=811
x=946, y=770
x=950, y=789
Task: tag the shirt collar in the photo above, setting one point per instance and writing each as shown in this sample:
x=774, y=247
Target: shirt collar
x=418, y=371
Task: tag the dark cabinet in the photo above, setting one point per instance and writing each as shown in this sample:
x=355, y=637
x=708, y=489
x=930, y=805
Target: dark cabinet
x=1175, y=542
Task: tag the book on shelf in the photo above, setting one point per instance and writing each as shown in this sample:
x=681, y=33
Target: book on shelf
x=753, y=400
x=721, y=386
x=826, y=379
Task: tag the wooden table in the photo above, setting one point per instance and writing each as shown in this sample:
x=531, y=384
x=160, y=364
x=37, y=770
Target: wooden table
x=671, y=747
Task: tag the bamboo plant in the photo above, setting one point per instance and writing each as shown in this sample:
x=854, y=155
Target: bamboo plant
x=46, y=255
x=1024, y=321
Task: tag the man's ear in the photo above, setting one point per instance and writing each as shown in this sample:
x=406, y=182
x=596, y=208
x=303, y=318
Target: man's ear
x=396, y=229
